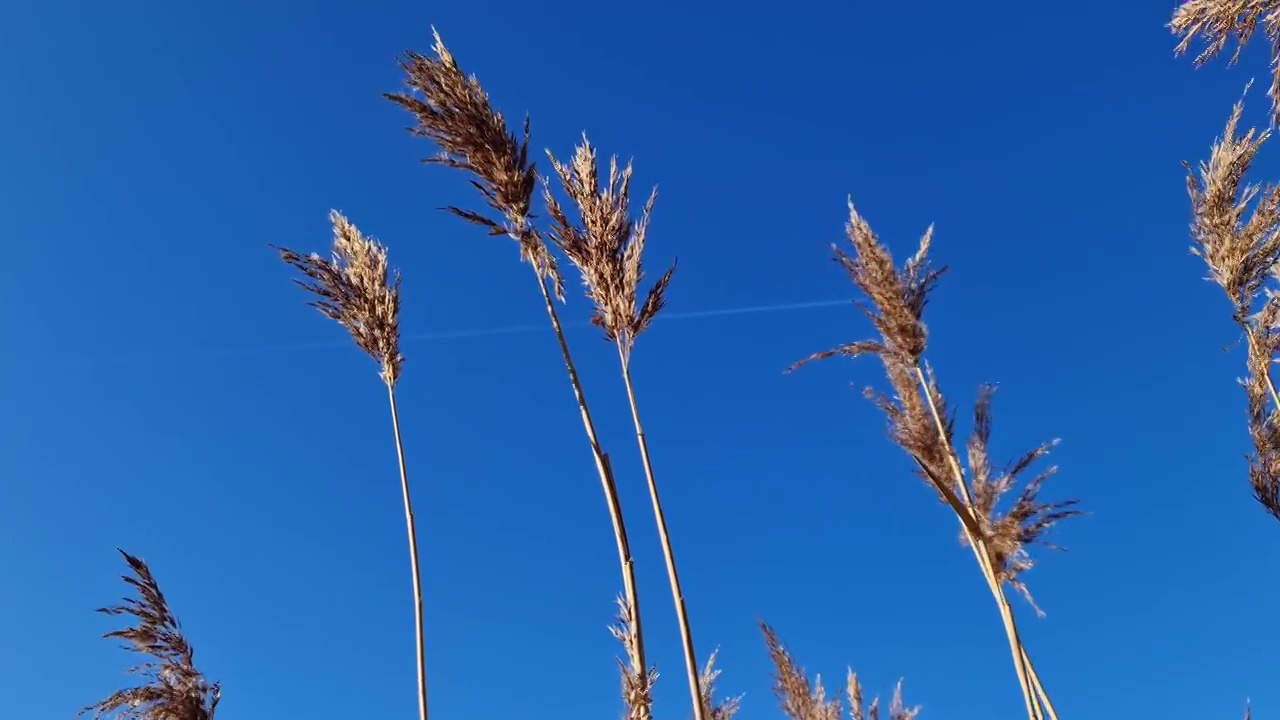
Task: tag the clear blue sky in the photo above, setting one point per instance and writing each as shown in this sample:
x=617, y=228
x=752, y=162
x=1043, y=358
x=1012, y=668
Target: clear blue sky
x=165, y=389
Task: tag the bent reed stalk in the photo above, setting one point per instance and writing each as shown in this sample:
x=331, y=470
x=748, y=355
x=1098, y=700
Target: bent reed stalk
x=358, y=289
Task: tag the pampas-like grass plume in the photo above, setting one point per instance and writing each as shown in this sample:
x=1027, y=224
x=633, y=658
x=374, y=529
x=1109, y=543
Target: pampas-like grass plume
x=1217, y=22
x=921, y=424
x=174, y=689
x=801, y=700
x=358, y=289
x=1235, y=229
x=607, y=247
x=452, y=110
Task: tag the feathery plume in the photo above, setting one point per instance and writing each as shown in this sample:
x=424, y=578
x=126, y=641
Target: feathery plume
x=454, y=112
x=1217, y=22
x=606, y=244
x=358, y=290
x=174, y=689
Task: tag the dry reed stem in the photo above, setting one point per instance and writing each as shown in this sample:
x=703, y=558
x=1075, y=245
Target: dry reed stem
x=1217, y=22
x=919, y=421
x=358, y=289
x=801, y=700
x=1235, y=229
x=174, y=688
x=453, y=111
x=607, y=247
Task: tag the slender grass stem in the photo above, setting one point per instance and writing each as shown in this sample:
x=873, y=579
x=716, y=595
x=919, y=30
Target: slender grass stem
x=610, y=488
x=668, y=553
x=413, y=556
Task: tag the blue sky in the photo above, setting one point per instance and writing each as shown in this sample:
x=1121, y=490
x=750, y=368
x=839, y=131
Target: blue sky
x=166, y=390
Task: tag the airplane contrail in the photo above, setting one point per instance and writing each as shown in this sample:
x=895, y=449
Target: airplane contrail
x=443, y=335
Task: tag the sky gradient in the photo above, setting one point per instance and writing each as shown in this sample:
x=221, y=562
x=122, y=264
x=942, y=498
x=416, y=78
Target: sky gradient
x=164, y=389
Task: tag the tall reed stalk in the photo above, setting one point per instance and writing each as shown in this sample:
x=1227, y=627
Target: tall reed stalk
x=174, y=689
x=998, y=533
x=453, y=111
x=607, y=247
x=358, y=289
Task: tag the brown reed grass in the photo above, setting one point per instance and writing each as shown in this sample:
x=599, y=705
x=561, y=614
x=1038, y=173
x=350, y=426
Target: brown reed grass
x=358, y=289
x=452, y=110
x=1218, y=22
x=801, y=700
x=1235, y=229
x=607, y=247
x=998, y=531
x=174, y=688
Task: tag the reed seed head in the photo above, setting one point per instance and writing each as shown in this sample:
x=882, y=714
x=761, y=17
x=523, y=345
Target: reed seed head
x=174, y=689
x=1010, y=528
x=895, y=302
x=1239, y=245
x=1217, y=22
x=713, y=708
x=453, y=111
x=800, y=700
x=637, y=683
x=606, y=244
x=357, y=288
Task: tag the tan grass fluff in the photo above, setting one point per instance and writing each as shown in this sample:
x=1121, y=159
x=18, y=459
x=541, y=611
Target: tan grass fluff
x=174, y=689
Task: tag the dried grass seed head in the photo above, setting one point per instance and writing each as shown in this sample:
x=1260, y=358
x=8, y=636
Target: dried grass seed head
x=174, y=689
x=1217, y=22
x=1010, y=529
x=453, y=111
x=714, y=708
x=1239, y=252
x=1264, y=408
x=637, y=682
x=606, y=244
x=358, y=289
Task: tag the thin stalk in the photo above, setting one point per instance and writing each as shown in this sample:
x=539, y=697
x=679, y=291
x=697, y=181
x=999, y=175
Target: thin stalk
x=605, y=470
x=413, y=555
x=1029, y=681
x=682, y=614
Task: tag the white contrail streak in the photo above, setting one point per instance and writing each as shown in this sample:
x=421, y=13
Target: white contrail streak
x=442, y=335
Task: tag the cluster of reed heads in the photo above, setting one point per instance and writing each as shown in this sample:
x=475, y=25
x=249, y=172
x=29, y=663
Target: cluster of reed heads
x=590, y=222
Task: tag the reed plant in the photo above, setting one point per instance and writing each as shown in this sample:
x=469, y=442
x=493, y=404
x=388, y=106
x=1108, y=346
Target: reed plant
x=998, y=524
x=1235, y=225
x=357, y=288
x=800, y=699
x=173, y=688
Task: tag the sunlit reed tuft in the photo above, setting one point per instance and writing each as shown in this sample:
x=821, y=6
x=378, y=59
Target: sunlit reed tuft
x=1235, y=229
x=606, y=244
x=356, y=288
x=920, y=422
x=1218, y=22
x=174, y=689
x=453, y=111
x=637, y=679
x=801, y=700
